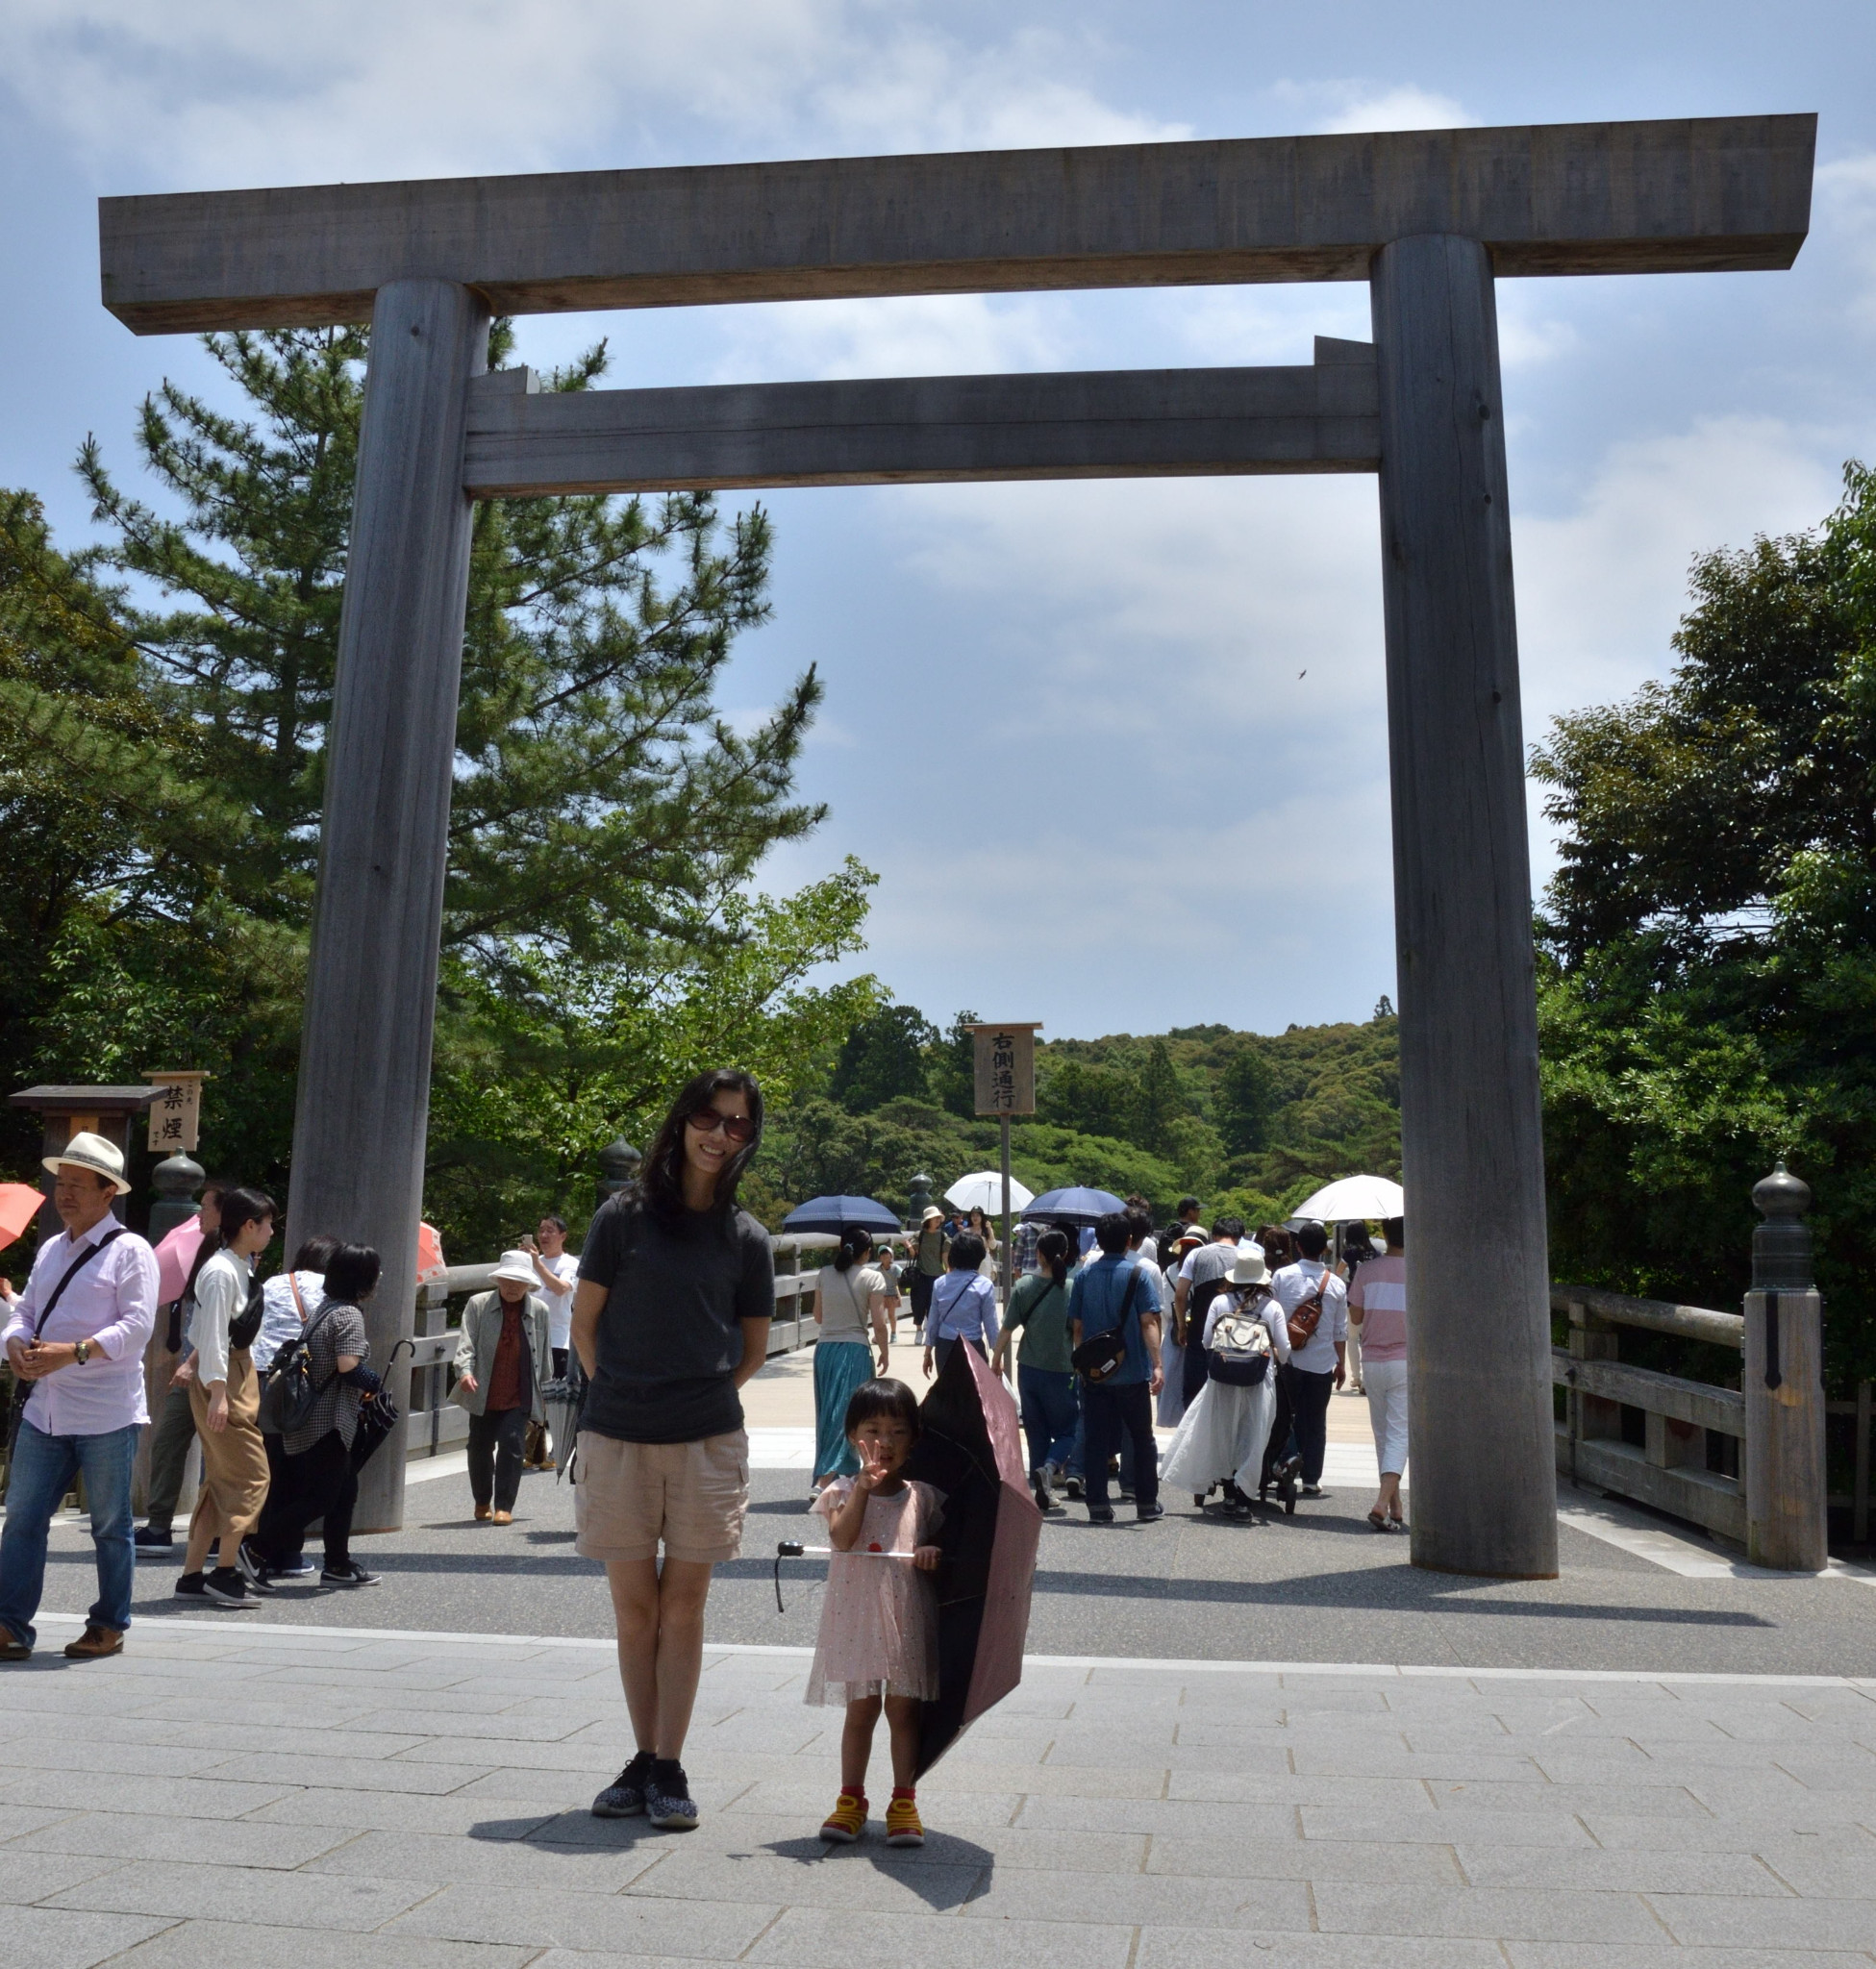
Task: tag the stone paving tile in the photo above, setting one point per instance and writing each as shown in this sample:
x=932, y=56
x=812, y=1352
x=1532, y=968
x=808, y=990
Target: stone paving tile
x=29, y=1877
x=357, y=1774
x=282, y=1900
x=1385, y=1759
x=631, y=1925
x=1667, y=1956
x=17, y=1820
x=815, y=1938
x=188, y=1797
x=1738, y=1834
x=1345, y=1907
x=1222, y=1787
x=1735, y=1922
x=54, y=1938
x=491, y=1861
x=1669, y=1801
x=1199, y=1948
x=1189, y=1901
x=805, y=1801
x=456, y=1816
x=1016, y=1847
x=1842, y=1868
x=57, y=1753
x=1456, y=1823
x=1631, y=1871
x=215, y=1944
x=134, y=1835
x=1272, y=1857
x=807, y=1874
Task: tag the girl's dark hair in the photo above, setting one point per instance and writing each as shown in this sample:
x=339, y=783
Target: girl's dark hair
x=204, y=1252
x=1279, y=1247
x=661, y=1181
x=1052, y=1248
x=892, y=1399
x=314, y=1254
x=856, y=1241
x=968, y=1252
x=240, y=1208
x=351, y=1274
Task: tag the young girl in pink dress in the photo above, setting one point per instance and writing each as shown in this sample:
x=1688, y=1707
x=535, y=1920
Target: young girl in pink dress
x=878, y=1645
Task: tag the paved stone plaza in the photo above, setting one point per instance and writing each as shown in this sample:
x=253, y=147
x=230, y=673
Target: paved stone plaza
x=1662, y=1757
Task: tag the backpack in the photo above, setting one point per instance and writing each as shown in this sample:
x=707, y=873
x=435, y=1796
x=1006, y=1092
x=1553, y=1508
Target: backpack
x=1239, y=1352
x=289, y=1394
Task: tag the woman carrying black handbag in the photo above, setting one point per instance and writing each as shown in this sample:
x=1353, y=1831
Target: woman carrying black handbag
x=320, y=1479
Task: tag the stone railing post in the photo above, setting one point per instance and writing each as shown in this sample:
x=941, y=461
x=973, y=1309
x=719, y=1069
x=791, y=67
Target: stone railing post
x=1784, y=1384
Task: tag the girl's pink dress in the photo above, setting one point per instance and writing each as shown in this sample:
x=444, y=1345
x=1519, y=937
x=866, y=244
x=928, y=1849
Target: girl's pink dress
x=879, y=1618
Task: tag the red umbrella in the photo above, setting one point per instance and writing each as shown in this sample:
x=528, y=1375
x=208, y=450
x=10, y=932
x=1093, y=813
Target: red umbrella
x=19, y=1205
x=972, y=1449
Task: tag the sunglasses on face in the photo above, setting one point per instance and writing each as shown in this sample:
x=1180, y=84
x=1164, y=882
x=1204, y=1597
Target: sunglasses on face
x=707, y=1121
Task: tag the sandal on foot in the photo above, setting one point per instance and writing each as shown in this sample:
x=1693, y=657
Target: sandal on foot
x=845, y=1822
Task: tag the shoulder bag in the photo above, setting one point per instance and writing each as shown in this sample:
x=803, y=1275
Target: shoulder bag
x=1304, y=1321
x=1101, y=1358
x=244, y=1328
x=23, y=1390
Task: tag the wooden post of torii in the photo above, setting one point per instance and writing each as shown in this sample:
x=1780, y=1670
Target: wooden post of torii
x=1429, y=218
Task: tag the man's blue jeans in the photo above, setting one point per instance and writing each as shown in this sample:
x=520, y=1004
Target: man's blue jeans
x=1050, y=1412
x=42, y=1471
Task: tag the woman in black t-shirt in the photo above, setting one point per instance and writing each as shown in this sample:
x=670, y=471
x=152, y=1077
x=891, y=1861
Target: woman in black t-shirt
x=670, y=1317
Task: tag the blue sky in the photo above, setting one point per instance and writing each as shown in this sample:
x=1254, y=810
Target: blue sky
x=1065, y=723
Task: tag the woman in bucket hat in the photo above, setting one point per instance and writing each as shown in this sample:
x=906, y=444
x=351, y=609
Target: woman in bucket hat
x=502, y=1363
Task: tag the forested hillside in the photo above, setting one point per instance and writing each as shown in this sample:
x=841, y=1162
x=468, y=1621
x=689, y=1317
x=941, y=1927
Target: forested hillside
x=1238, y=1118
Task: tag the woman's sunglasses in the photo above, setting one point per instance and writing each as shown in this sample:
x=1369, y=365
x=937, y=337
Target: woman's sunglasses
x=707, y=1121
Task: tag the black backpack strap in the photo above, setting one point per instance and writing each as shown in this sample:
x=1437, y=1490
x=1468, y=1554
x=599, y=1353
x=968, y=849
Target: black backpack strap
x=72, y=1271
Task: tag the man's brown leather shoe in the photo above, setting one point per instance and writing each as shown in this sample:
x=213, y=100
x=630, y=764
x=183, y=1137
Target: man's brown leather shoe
x=503, y=1517
x=94, y=1644
x=483, y=1514
x=11, y=1650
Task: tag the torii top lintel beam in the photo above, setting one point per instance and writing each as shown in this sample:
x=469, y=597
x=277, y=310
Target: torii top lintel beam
x=1700, y=194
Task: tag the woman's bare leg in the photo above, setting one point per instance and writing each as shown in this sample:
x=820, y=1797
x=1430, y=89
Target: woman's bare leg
x=635, y=1613
x=683, y=1588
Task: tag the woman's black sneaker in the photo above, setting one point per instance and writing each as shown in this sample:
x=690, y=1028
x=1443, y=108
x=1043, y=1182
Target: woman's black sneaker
x=668, y=1802
x=192, y=1587
x=625, y=1798
x=225, y=1587
x=254, y=1568
x=350, y=1574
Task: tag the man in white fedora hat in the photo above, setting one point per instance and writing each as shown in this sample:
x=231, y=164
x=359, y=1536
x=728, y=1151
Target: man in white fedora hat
x=75, y=1341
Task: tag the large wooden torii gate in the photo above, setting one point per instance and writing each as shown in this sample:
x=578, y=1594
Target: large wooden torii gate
x=1427, y=219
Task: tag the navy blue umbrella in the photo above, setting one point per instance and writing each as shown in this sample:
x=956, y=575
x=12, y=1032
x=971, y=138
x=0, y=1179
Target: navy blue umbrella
x=1078, y=1206
x=837, y=1213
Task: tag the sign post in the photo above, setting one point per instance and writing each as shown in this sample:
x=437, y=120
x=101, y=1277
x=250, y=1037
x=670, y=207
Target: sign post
x=1004, y=1063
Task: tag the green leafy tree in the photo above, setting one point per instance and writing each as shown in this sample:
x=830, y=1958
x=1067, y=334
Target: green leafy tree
x=1707, y=984
x=882, y=1058
x=952, y=1067
x=1163, y=1100
x=1247, y=1098
x=1092, y=1098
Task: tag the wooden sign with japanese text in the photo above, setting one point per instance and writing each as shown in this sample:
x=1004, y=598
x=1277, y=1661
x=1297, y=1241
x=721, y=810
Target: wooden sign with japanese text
x=176, y=1113
x=1005, y=1063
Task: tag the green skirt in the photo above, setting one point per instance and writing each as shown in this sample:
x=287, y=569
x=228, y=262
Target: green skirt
x=841, y=1366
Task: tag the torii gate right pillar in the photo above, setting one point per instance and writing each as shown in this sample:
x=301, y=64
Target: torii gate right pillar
x=1483, y=1478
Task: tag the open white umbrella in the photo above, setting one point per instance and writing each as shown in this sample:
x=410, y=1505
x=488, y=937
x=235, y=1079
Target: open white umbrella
x=984, y=1191
x=1355, y=1199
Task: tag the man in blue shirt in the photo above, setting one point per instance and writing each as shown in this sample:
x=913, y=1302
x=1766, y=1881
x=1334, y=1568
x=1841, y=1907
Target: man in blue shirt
x=1113, y=1292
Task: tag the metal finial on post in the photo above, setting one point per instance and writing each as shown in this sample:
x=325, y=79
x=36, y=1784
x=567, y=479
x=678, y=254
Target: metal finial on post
x=175, y=1182
x=1780, y=1246
x=919, y=1201
x=618, y=1165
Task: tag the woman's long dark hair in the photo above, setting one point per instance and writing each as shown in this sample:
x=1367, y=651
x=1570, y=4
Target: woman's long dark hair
x=1052, y=1248
x=661, y=1182
x=855, y=1243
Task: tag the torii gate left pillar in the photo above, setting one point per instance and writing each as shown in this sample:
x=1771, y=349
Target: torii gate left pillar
x=1429, y=218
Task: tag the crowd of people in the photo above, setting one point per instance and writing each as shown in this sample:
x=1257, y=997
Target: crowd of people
x=1250, y=1414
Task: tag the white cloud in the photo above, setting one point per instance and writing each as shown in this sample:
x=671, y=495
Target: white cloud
x=207, y=92
x=1846, y=192
x=1352, y=106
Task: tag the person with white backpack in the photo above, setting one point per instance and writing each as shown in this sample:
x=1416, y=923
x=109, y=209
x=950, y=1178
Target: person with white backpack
x=1221, y=1436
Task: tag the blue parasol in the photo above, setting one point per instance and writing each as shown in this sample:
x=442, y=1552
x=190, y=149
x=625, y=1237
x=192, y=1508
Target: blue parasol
x=837, y=1213
x=1078, y=1206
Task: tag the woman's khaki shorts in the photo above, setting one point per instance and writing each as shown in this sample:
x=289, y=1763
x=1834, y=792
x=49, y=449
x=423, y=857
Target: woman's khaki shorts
x=692, y=1496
